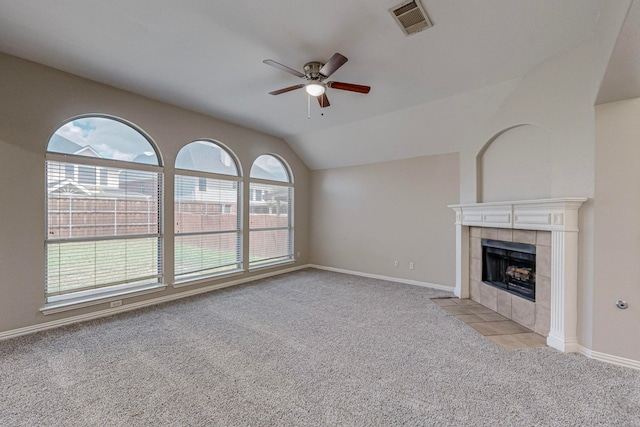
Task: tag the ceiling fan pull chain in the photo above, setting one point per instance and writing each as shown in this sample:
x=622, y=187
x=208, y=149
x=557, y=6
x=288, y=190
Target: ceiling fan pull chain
x=308, y=106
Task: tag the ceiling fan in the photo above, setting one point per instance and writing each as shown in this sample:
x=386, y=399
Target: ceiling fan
x=315, y=73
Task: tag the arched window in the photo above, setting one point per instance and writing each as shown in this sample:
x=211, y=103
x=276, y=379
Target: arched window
x=103, y=234
x=208, y=217
x=271, y=212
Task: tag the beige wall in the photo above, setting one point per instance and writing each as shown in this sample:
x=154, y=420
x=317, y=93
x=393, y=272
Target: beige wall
x=617, y=229
x=518, y=161
x=366, y=217
x=34, y=102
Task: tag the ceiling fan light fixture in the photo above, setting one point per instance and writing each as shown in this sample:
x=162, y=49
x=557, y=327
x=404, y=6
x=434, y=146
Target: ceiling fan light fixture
x=315, y=88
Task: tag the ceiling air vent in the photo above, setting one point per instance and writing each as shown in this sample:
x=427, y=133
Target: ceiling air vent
x=411, y=17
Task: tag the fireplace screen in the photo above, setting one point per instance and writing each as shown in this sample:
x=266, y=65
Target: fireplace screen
x=510, y=266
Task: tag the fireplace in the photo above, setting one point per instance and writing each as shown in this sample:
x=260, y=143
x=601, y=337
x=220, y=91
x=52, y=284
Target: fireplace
x=510, y=266
x=557, y=260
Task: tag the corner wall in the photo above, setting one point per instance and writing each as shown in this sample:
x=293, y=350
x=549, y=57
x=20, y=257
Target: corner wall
x=34, y=101
x=363, y=218
x=617, y=229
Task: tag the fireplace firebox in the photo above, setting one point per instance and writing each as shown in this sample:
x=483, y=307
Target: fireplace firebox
x=510, y=266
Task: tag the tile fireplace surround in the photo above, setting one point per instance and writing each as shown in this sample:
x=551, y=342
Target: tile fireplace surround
x=532, y=315
x=560, y=217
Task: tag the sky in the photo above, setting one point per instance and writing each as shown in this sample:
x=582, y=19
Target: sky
x=110, y=138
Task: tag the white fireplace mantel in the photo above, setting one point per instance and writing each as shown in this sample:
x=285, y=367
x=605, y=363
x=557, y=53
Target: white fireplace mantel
x=560, y=216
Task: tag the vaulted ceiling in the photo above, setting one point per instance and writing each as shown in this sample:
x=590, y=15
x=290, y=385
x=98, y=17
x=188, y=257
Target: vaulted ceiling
x=207, y=56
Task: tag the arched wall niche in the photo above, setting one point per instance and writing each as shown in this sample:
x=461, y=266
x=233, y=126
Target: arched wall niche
x=515, y=164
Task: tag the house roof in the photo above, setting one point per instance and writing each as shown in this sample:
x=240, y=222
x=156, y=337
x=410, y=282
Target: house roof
x=207, y=56
x=60, y=144
x=205, y=157
x=71, y=188
x=261, y=173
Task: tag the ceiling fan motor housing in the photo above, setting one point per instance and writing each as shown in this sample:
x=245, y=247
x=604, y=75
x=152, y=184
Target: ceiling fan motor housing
x=312, y=70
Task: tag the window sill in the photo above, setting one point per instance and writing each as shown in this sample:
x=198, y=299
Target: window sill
x=99, y=297
x=272, y=264
x=206, y=279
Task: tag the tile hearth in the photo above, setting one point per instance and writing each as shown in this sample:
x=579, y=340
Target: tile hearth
x=495, y=327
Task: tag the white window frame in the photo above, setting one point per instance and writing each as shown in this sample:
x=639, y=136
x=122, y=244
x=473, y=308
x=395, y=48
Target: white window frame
x=91, y=294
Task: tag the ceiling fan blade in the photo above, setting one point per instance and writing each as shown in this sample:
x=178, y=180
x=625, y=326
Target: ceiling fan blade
x=349, y=86
x=279, y=66
x=323, y=100
x=286, y=89
x=335, y=62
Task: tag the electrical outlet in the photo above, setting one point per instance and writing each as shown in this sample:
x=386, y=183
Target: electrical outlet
x=116, y=303
x=411, y=266
x=298, y=255
x=396, y=264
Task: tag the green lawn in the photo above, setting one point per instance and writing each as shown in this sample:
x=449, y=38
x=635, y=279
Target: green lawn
x=85, y=265
x=197, y=255
x=75, y=266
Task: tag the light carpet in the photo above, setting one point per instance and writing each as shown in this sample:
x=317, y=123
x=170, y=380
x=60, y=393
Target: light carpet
x=310, y=348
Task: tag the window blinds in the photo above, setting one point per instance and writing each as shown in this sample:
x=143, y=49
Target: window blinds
x=270, y=224
x=208, y=232
x=102, y=227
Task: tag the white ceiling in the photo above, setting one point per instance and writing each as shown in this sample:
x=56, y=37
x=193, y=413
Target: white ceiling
x=622, y=78
x=207, y=56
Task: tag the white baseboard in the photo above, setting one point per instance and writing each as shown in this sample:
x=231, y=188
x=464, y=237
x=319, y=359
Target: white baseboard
x=561, y=344
x=572, y=346
x=133, y=306
x=387, y=278
x=608, y=358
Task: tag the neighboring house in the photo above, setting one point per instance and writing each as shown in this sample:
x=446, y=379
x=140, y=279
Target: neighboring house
x=94, y=181
x=262, y=200
x=271, y=201
x=265, y=199
x=75, y=189
x=195, y=189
